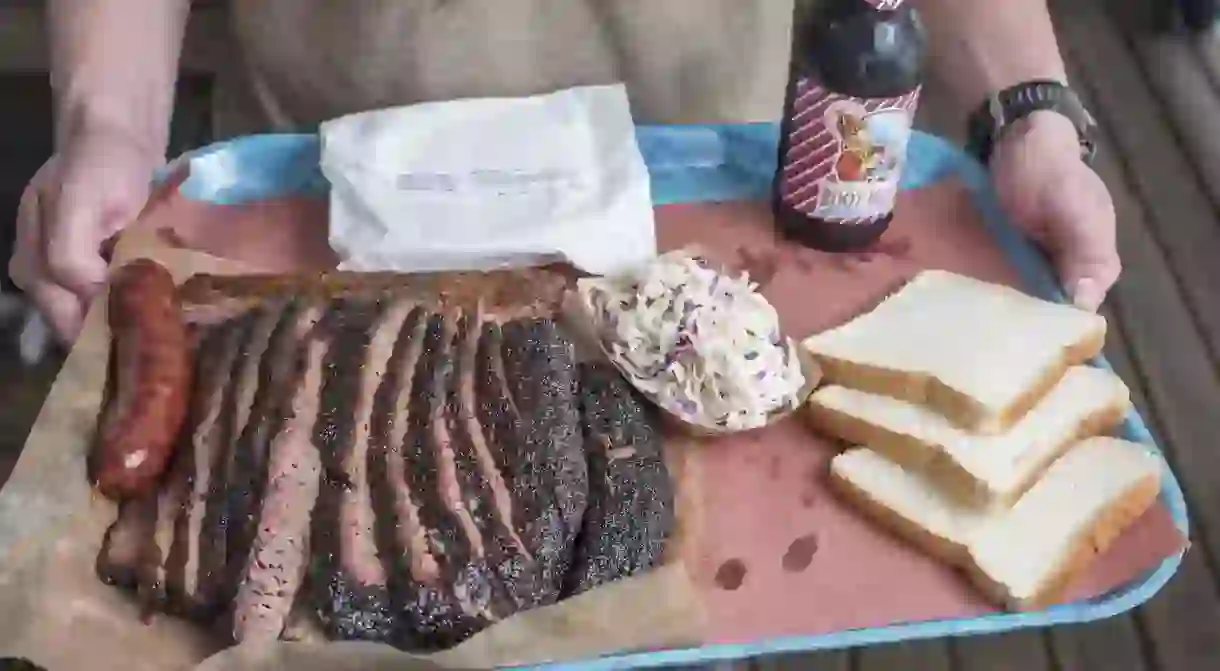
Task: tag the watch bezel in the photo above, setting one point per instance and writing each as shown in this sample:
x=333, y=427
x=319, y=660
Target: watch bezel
x=1004, y=108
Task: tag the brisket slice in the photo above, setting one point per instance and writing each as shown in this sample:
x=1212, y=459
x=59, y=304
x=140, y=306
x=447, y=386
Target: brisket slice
x=228, y=475
x=350, y=578
x=263, y=389
x=231, y=498
x=429, y=616
x=468, y=596
x=194, y=557
x=280, y=549
x=348, y=591
x=529, y=400
x=126, y=541
x=631, y=497
x=153, y=587
x=487, y=496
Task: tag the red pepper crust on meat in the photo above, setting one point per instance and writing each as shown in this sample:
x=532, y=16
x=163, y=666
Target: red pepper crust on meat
x=148, y=382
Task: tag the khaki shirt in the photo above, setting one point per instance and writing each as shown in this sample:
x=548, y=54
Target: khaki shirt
x=299, y=62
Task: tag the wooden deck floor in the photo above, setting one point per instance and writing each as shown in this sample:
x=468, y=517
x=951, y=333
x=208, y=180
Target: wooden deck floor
x=1158, y=101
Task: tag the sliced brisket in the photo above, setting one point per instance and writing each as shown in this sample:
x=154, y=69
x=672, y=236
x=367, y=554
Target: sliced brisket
x=533, y=385
x=468, y=592
x=277, y=371
x=280, y=552
x=631, y=497
x=486, y=489
x=245, y=467
x=429, y=616
x=346, y=576
x=126, y=541
x=364, y=465
x=195, y=557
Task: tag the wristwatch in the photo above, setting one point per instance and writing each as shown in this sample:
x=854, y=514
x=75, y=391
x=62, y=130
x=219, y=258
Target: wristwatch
x=1001, y=110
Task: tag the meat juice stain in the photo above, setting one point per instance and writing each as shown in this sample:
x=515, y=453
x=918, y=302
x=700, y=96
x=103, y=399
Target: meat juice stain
x=731, y=575
x=777, y=467
x=809, y=497
x=896, y=248
x=761, y=264
x=800, y=553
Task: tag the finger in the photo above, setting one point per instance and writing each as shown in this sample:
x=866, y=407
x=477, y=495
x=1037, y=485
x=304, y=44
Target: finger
x=1084, y=244
x=25, y=263
x=62, y=309
x=59, y=307
x=73, y=240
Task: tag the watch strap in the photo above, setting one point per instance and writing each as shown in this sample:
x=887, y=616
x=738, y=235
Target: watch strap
x=1003, y=109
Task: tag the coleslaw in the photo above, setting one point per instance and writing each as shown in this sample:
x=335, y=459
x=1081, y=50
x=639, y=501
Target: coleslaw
x=704, y=345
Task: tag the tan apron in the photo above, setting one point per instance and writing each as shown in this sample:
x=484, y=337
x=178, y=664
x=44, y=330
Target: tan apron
x=298, y=62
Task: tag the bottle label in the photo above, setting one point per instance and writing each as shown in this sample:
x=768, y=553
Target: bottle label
x=845, y=155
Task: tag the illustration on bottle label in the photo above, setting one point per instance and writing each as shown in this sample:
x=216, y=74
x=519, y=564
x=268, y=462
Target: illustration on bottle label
x=845, y=155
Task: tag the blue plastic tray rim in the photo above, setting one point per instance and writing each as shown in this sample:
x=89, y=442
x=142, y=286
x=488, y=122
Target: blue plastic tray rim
x=700, y=163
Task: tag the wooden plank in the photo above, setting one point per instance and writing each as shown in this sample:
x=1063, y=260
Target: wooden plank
x=1208, y=47
x=1177, y=73
x=1170, y=380
x=1183, y=219
x=23, y=44
x=1024, y=650
x=926, y=655
x=1112, y=645
x=1183, y=620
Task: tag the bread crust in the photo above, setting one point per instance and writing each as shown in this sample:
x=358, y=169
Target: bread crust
x=946, y=472
x=957, y=406
x=944, y=549
x=1090, y=542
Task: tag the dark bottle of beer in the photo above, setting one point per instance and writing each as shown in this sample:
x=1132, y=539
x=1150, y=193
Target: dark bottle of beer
x=853, y=86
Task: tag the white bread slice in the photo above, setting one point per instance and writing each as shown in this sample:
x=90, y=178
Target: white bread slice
x=1023, y=557
x=979, y=353
x=983, y=470
x=1084, y=502
x=908, y=503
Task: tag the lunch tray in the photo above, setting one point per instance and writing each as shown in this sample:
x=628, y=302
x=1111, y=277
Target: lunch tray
x=693, y=163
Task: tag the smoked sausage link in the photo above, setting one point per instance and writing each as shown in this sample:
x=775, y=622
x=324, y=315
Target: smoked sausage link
x=149, y=382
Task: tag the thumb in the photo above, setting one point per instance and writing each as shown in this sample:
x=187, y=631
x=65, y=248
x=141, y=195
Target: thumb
x=1082, y=240
x=1087, y=292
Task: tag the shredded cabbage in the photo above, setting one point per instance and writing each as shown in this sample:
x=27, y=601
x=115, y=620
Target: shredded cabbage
x=702, y=344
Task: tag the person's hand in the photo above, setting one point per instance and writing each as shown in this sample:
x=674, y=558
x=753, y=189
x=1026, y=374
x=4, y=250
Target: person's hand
x=95, y=185
x=1059, y=202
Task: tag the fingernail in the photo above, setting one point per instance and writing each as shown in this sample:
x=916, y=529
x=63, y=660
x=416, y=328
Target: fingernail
x=1087, y=295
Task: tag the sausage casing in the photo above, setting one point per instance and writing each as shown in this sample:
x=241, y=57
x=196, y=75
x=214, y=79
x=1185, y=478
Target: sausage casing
x=149, y=382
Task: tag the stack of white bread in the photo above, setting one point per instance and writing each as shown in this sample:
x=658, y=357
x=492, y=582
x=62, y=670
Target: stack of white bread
x=979, y=432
